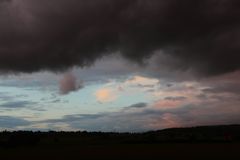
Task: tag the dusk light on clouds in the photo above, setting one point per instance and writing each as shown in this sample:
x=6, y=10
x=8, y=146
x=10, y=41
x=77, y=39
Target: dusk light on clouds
x=112, y=65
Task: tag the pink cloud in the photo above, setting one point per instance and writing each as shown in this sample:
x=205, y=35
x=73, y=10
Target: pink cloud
x=167, y=104
x=105, y=95
x=166, y=120
x=68, y=83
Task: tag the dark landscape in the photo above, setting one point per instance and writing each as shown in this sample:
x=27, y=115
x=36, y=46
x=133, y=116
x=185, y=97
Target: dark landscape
x=196, y=142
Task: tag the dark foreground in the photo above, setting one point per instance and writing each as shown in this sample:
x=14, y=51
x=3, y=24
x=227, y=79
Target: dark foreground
x=221, y=142
x=139, y=151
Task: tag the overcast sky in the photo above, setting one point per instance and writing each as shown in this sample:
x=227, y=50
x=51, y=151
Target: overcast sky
x=118, y=65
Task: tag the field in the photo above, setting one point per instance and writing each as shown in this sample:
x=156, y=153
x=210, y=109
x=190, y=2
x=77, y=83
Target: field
x=188, y=143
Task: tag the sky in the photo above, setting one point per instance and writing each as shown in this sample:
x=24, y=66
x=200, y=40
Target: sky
x=118, y=66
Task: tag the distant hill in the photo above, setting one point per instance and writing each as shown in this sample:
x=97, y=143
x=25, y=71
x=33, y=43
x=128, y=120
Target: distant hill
x=202, y=134
x=220, y=133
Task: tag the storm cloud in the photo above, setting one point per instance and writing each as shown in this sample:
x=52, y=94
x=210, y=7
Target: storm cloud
x=54, y=35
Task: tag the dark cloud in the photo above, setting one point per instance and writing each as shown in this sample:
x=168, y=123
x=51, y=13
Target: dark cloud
x=4, y=96
x=227, y=83
x=56, y=101
x=57, y=34
x=178, y=98
x=12, y=122
x=146, y=86
x=227, y=88
x=138, y=105
x=2, y=1
x=17, y=104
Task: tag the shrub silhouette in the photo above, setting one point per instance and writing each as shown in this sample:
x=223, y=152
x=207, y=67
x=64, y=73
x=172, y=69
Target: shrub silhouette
x=217, y=134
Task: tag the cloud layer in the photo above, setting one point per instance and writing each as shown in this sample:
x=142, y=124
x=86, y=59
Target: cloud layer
x=210, y=101
x=57, y=34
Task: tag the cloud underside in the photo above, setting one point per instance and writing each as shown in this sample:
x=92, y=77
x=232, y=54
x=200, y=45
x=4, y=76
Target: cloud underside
x=58, y=34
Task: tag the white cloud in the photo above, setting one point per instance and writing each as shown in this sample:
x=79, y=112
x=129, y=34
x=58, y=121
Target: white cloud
x=140, y=80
